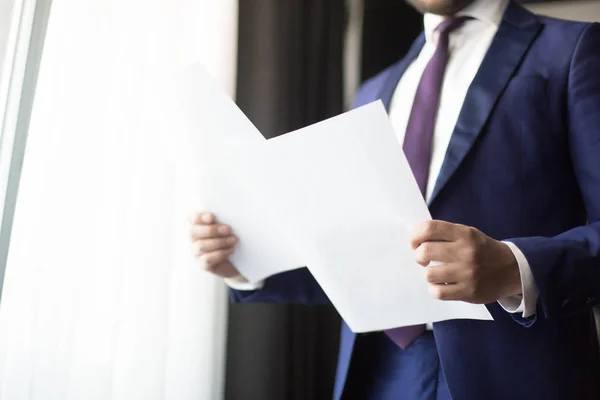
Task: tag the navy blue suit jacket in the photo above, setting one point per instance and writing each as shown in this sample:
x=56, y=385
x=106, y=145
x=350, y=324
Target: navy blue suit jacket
x=523, y=165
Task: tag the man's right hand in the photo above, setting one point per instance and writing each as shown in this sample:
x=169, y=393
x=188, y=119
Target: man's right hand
x=213, y=244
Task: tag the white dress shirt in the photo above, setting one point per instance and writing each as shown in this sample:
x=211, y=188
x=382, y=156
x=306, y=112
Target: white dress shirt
x=468, y=47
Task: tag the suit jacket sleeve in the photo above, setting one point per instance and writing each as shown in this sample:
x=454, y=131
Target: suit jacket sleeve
x=566, y=268
x=297, y=286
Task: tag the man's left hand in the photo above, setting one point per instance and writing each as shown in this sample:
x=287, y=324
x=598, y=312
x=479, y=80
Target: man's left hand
x=474, y=267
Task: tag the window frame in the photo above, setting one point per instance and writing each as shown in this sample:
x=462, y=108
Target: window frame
x=24, y=48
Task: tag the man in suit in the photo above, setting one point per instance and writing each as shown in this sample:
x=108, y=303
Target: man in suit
x=498, y=112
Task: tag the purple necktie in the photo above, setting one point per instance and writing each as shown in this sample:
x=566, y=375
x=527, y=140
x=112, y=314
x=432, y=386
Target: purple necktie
x=419, y=137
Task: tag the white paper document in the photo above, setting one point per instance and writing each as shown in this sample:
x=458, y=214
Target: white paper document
x=346, y=195
x=337, y=196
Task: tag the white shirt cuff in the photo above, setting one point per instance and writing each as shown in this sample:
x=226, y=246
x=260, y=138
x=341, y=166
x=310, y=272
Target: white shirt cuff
x=524, y=303
x=240, y=283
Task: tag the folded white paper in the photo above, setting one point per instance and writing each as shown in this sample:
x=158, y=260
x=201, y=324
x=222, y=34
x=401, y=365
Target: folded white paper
x=346, y=195
x=337, y=196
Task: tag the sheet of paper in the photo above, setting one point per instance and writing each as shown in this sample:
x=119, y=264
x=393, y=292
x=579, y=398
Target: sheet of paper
x=346, y=196
x=211, y=125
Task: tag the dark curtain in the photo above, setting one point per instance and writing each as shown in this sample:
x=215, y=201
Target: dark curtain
x=290, y=62
x=389, y=28
x=289, y=76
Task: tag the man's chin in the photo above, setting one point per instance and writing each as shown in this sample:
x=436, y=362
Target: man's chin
x=439, y=7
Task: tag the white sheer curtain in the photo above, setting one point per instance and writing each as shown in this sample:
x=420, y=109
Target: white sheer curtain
x=102, y=299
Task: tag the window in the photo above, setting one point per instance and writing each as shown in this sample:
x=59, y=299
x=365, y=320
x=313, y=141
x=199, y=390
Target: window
x=102, y=298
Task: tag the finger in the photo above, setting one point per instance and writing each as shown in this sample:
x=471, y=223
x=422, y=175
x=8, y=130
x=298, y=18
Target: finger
x=209, y=231
x=433, y=251
x=433, y=231
x=447, y=292
x=207, y=245
x=212, y=259
x=202, y=218
x=443, y=274
x=225, y=270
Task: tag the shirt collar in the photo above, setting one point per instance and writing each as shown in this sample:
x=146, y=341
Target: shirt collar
x=488, y=11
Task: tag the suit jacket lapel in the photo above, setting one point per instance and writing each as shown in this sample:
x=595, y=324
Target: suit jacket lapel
x=514, y=37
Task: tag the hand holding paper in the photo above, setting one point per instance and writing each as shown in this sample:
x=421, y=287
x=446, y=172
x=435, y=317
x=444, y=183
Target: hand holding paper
x=470, y=265
x=213, y=245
